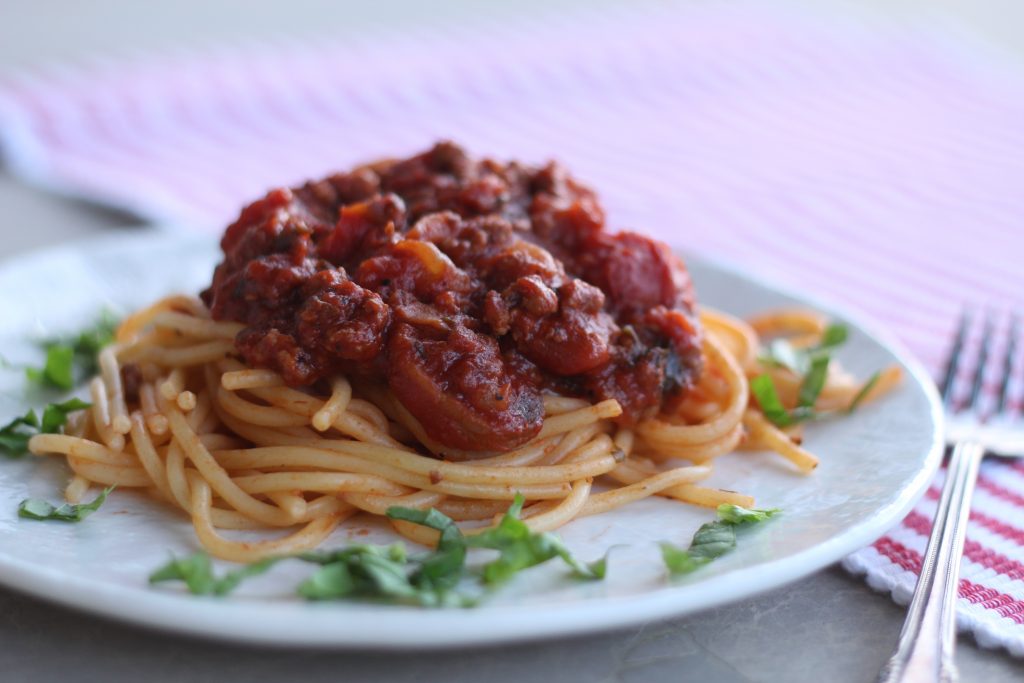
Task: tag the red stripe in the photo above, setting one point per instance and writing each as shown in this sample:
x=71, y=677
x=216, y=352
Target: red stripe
x=1000, y=527
x=1000, y=492
x=973, y=551
x=990, y=559
x=989, y=598
x=899, y=554
x=994, y=525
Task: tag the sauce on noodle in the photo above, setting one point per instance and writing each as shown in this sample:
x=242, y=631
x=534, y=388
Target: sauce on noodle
x=466, y=287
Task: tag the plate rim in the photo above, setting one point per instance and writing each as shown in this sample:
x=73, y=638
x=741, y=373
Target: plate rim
x=243, y=620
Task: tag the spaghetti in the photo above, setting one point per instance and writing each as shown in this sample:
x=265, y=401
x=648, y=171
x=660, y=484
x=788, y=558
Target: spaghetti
x=235, y=448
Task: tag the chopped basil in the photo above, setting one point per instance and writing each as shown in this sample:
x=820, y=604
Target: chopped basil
x=70, y=359
x=812, y=364
x=67, y=361
x=330, y=582
x=713, y=539
x=196, y=571
x=864, y=391
x=394, y=552
x=780, y=353
x=833, y=336
x=92, y=340
x=363, y=571
x=521, y=548
x=58, y=371
x=55, y=415
x=442, y=569
x=368, y=572
x=360, y=571
x=763, y=389
x=15, y=435
x=734, y=514
x=34, y=508
x=813, y=382
x=388, y=574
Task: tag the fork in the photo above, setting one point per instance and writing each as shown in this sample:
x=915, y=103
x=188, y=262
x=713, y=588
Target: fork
x=928, y=638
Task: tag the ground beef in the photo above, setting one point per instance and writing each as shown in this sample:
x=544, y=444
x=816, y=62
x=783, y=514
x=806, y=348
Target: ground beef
x=465, y=286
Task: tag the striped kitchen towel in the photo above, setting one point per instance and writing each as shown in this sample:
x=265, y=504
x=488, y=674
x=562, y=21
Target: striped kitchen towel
x=879, y=166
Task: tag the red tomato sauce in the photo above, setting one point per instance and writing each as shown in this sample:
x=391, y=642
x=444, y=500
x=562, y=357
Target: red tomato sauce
x=467, y=287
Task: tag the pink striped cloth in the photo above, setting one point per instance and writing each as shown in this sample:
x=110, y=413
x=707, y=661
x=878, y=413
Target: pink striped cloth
x=880, y=167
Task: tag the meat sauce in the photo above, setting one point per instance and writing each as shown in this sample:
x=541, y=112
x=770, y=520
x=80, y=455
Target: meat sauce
x=467, y=287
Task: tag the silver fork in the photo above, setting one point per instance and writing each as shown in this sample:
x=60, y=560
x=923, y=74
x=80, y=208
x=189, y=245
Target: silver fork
x=928, y=638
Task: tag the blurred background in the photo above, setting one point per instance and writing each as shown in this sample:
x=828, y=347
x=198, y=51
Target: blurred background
x=59, y=29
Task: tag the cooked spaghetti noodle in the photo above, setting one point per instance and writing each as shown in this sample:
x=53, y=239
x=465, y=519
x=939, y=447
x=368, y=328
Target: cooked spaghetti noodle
x=236, y=449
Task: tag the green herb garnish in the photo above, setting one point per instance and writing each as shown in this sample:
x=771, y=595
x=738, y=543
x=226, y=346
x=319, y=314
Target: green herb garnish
x=864, y=391
x=41, y=510
x=70, y=359
x=763, y=389
x=735, y=514
x=388, y=574
x=381, y=573
x=781, y=353
x=521, y=548
x=15, y=435
x=813, y=383
x=441, y=570
x=713, y=539
x=57, y=371
x=92, y=340
x=197, y=572
x=812, y=364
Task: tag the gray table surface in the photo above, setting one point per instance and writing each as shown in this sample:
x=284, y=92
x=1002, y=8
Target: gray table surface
x=828, y=627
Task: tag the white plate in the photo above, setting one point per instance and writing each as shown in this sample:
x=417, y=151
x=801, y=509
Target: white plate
x=875, y=464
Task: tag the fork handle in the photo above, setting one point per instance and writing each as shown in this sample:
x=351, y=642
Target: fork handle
x=925, y=649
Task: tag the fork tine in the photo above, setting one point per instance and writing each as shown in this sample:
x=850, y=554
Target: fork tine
x=1011, y=353
x=955, y=355
x=978, y=381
